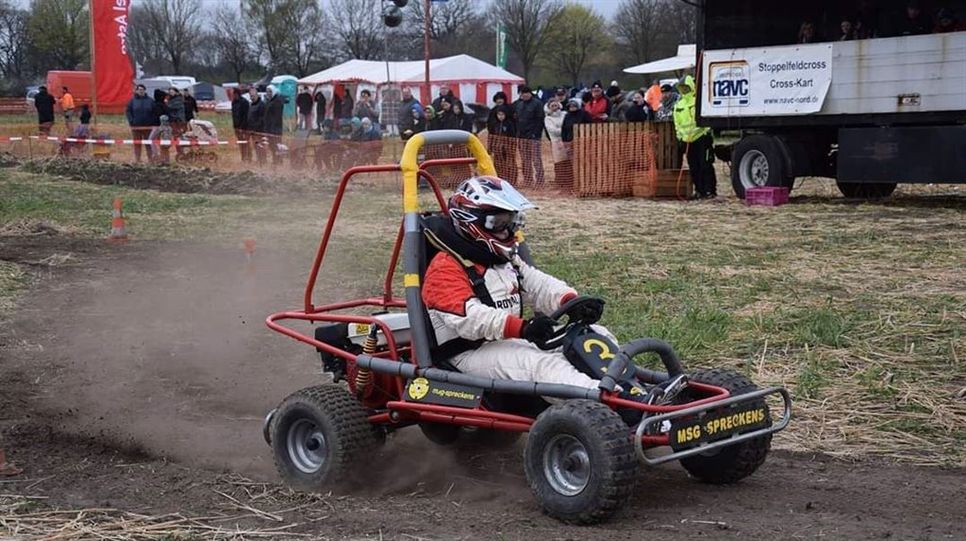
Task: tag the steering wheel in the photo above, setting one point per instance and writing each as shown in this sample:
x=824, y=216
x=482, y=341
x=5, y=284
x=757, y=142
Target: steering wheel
x=572, y=309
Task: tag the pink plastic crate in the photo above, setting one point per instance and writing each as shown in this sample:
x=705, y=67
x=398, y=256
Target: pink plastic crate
x=767, y=196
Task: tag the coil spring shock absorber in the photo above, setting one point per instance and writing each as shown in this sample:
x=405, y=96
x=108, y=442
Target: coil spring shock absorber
x=364, y=375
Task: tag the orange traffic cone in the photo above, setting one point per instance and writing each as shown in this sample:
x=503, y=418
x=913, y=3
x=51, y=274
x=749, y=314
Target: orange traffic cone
x=249, y=252
x=118, y=228
x=7, y=470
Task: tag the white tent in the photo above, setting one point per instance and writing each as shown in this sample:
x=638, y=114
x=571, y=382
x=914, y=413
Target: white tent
x=471, y=79
x=684, y=60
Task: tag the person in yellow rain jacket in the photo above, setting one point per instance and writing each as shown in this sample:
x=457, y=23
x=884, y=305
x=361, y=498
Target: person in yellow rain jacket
x=698, y=141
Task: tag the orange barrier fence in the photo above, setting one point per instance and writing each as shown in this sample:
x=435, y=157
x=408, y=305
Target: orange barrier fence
x=603, y=160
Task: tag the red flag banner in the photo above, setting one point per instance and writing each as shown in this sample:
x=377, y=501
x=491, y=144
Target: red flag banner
x=113, y=73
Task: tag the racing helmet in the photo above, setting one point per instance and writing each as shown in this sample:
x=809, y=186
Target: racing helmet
x=489, y=210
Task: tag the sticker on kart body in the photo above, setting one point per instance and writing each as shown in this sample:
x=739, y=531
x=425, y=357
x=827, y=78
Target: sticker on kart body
x=442, y=393
x=718, y=425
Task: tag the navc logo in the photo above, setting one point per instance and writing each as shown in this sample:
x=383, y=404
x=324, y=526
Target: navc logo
x=730, y=84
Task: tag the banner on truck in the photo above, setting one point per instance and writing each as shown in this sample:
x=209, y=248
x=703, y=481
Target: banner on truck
x=113, y=74
x=776, y=81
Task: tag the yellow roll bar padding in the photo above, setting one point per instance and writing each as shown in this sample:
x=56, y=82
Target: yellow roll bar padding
x=410, y=159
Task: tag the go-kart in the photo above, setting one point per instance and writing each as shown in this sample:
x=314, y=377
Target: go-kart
x=584, y=448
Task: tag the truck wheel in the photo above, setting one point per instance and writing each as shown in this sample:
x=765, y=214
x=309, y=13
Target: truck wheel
x=866, y=190
x=320, y=435
x=580, y=461
x=735, y=462
x=758, y=161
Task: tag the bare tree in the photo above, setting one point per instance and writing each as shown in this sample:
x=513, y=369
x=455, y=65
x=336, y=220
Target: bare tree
x=291, y=32
x=649, y=28
x=13, y=41
x=526, y=23
x=57, y=33
x=230, y=37
x=358, y=24
x=166, y=29
x=578, y=33
x=447, y=19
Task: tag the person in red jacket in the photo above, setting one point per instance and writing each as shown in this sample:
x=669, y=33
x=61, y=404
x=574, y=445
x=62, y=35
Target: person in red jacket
x=480, y=329
x=599, y=106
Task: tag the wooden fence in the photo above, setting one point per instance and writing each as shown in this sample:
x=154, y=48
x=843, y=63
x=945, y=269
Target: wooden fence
x=623, y=159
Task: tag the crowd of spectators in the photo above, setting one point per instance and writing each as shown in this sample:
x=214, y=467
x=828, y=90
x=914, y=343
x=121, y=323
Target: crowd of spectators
x=868, y=20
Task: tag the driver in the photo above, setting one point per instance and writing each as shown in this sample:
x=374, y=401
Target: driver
x=475, y=289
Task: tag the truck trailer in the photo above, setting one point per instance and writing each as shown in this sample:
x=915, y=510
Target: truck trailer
x=886, y=106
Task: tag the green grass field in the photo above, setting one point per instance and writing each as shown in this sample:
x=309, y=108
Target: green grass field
x=860, y=309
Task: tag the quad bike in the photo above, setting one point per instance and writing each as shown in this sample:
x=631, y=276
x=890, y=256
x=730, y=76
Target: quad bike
x=583, y=453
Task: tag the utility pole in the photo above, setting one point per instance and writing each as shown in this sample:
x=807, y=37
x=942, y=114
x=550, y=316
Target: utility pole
x=426, y=15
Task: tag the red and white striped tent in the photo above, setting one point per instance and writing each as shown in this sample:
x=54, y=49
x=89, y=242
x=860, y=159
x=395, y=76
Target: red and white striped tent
x=471, y=79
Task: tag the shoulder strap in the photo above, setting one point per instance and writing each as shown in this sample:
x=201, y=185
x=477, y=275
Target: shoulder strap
x=479, y=285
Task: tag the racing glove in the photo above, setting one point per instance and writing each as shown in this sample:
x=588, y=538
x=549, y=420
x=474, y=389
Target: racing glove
x=589, y=311
x=538, y=329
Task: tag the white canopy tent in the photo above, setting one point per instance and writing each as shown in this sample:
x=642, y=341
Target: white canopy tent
x=684, y=60
x=471, y=79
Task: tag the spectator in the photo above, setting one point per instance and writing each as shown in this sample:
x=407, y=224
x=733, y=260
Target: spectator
x=575, y=115
x=444, y=91
x=866, y=21
x=946, y=22
x=162, y=137
x=430, y=112
x=597, y=106
x=414, y=122
x=613, y=90
x=256, y=124
x=501, y=142
x=348, y=105
x=365, y=108
x=806, y=32
x=499, y=99
x=560, y=94
x=364, y=130
x=303, y=104
x=328, y=132
x=406, y=103
x=553, y=124
x=239, y=122
x=319, y=109
x=653, y=97
x=190, y=105
x=67, y=104
x=337, y=106
x=44, y=103
x=639, y=111
x=175, y=109
x=160, y=106
x=619, y=106
x=140, y=113
x=274, y=111
x=697, y=141
x=446, y=119
x=528, y=113
x=81, y=131
x=464, y=120
x=669, y=97
x=915, y=22
x=846, y=31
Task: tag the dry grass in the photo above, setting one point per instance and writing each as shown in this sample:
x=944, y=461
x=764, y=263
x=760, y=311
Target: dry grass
x=249, y=510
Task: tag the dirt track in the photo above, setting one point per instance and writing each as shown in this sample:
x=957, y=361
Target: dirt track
x=136, y=377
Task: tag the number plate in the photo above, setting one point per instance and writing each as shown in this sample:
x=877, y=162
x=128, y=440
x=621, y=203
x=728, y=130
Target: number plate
x=718, y=425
